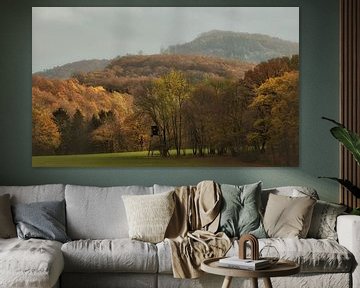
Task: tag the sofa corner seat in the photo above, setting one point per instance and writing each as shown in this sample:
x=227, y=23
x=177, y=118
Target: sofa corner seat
x=31, y=263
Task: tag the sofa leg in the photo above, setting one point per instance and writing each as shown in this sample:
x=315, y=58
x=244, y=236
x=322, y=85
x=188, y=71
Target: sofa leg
x=227, y=282
x=267, y=282
x=254, y=282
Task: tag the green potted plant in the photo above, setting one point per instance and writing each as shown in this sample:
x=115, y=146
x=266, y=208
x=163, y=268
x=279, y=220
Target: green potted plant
x=351, y=141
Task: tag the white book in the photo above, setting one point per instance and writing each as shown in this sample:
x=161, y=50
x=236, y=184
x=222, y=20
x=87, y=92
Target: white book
x=236, y=262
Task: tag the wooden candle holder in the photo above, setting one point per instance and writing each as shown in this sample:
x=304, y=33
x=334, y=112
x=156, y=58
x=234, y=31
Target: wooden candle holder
x=254, y=246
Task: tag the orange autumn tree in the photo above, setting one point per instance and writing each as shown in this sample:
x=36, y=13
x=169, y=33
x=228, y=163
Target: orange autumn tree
x=45, y=133
x=82, y=130
x=276, y=124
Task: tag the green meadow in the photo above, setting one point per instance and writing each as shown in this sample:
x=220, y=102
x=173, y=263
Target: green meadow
x=138, y=159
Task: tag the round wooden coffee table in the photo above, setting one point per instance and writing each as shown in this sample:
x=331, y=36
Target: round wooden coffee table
x=281, y=268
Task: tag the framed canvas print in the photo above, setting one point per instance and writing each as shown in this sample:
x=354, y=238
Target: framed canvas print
x=165, y=86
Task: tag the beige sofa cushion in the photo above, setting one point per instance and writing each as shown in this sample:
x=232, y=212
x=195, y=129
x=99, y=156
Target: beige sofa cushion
x=98, y=212
x=30, y=263
x=117, y=255
x=287, y=216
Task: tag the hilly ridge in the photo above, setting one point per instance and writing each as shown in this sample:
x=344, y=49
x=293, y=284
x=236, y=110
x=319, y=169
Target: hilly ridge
x=236, y=45
x=213, y=50
x=68, y=70
x=124, y=74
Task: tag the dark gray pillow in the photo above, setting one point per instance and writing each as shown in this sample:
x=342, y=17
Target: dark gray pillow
x=240, y=213
x=44, y=220
x=7, y=227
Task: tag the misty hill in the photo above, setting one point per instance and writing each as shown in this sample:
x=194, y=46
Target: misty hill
x=243, y=46
x=66, y=71
x=127, y=72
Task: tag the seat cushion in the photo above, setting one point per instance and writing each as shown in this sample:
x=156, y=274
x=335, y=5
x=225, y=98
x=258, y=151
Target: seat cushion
x=313, y=255
x=98, y=213
x=108, y=280
x=117, y=255
x=164, y=257
x=30, y=263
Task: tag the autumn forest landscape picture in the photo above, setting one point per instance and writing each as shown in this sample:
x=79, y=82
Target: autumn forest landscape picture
x=165, y=86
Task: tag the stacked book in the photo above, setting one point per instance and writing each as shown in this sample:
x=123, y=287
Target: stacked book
x=248, y=264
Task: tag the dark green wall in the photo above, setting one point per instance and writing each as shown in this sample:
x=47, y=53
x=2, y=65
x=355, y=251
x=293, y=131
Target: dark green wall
x=319, y=96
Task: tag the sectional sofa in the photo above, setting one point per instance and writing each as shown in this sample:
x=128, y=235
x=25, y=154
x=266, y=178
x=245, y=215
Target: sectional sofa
x=100, y=253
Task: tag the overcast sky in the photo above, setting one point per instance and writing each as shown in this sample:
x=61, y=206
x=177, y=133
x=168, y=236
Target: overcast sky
x=62, y=35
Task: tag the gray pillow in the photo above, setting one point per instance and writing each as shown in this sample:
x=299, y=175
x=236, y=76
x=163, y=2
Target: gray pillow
x=7, y=227
x=44, y=220
x=240, y=213
x=323, y=222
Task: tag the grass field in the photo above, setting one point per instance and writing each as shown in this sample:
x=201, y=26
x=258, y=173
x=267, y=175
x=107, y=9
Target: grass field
x=138, y=159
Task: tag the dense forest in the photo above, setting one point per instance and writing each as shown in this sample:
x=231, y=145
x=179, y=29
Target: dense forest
x=207, y=105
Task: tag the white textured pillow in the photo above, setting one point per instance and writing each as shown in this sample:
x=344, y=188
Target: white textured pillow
x=323, y=222
x=149, y=215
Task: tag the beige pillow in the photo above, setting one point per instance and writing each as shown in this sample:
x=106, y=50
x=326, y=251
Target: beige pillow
x=7, y=226
x=288, y=217
x=149, y=215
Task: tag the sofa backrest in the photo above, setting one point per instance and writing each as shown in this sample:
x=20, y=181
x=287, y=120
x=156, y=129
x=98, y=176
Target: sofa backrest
x=98, y=212
x=163, y=188
x=36, y=193
x=293, y=191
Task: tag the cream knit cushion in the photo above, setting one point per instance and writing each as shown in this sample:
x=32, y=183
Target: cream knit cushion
x=149, y=215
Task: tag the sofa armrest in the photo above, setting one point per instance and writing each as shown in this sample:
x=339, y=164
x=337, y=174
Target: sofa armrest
x=348, y=230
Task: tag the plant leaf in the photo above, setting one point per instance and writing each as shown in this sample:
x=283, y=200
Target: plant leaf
x=349, y=139
x=333, y=121
x=355, y=211
x=347, y=184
